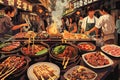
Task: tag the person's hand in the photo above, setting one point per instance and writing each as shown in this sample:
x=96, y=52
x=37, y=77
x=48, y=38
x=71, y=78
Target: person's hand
x=25, y=24
x=87, y=32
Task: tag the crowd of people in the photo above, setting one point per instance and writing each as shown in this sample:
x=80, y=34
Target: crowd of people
x=103, y=26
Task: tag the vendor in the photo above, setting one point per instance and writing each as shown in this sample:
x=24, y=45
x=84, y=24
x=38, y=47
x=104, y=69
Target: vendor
x=40, y=25
x=106, y=22
x=6, y=24
x=72, y=25
x=89, y=21
x=118, y=29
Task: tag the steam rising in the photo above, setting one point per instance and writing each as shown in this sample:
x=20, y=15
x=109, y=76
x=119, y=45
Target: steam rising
x=57, y=14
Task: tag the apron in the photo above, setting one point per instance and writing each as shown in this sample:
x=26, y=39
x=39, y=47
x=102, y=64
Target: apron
x=90, y=26
x=79, y=28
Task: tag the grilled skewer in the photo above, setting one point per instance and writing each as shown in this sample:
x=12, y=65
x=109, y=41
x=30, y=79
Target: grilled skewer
x=45, y=67
x=10, y=72
x=63, y=61
x=66, y=63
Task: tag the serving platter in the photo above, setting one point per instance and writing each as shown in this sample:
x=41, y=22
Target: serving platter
x=97, y=60
x=86, y=46
x=81, y=71
x=32, y=75
x=112, y=50
x=10, y=47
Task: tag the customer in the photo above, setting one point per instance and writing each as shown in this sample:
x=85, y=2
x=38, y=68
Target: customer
x=64, y=25
x=72, y=25
x=118, y=29
x=89, y=21
x=6, y=24
x=80, y=24
x=106, y=22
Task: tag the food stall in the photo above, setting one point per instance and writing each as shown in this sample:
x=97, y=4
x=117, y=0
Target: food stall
x=51, y=55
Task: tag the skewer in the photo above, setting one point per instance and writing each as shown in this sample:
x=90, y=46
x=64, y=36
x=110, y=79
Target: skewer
x=33, y=45
x=63, y=61
x=29, y=44
x=10, y=72
x=3, y=70
x=11, y=68
x=41, y=74
x=46, y=72
x=62, y=40
x=49, y=70
x=65, y=41
x=66, y=63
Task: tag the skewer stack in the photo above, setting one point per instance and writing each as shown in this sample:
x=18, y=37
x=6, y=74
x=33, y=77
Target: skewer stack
x=43, y=72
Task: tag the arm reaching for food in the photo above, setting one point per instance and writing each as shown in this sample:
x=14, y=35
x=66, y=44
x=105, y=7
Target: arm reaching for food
x=19, y=26
x=92, y=30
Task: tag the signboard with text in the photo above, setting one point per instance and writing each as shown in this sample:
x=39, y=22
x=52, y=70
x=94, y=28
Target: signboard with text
x=21, y=4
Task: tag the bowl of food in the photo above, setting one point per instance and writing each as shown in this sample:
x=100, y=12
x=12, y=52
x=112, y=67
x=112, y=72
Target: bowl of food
x=64, y=53
x=10, y=47
x=36, y=49
x=80, y=73
x=112, y=50
x=13, y=65
x=86, y=46
x=59, y=51
x=97, y=60
x=43, y=71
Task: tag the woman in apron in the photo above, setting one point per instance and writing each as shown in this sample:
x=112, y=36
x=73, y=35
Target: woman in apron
x=89, y=21
x=90, y=26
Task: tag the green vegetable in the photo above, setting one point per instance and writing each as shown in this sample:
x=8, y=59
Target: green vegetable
x=59, y=49
x=42, y=52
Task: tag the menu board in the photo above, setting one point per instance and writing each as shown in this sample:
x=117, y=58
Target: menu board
x=21, y=4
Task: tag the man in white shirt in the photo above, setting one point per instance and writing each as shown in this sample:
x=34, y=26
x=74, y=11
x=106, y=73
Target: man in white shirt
x=106, y=22
x=90, y=21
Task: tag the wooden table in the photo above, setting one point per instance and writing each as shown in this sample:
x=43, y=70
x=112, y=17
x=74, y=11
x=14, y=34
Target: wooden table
x=108, y=73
